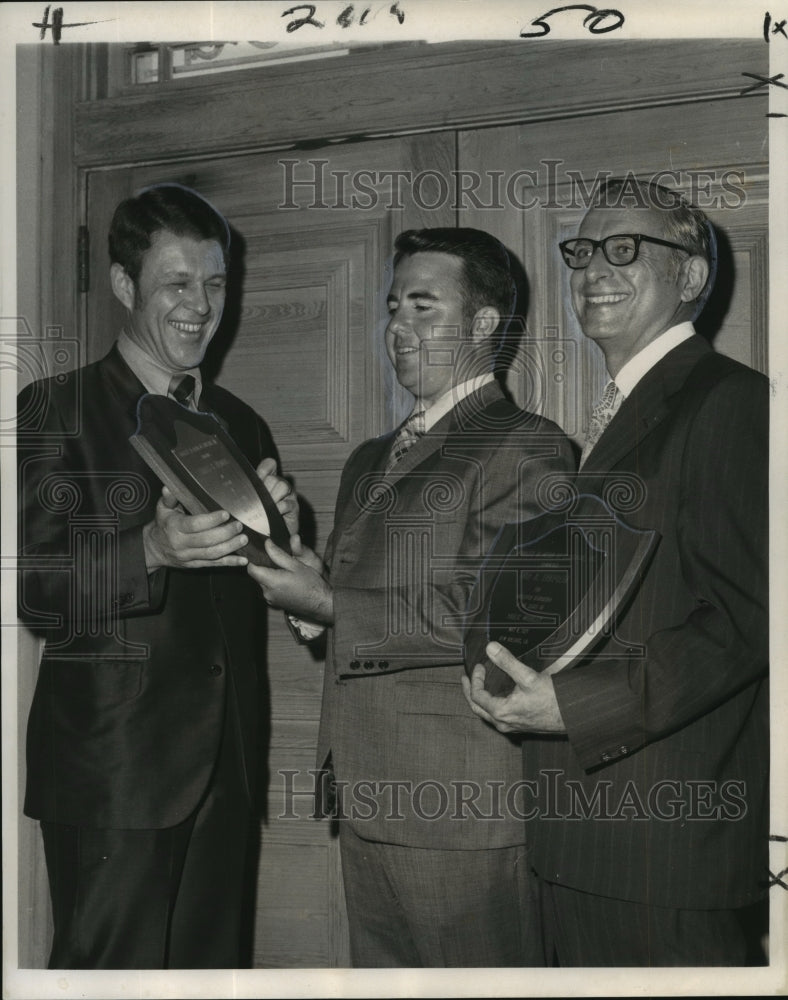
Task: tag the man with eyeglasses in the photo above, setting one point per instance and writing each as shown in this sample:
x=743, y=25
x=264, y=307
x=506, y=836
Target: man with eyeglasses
x=648, y=760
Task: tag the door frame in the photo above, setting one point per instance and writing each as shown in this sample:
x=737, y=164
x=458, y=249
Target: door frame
x=86, y=122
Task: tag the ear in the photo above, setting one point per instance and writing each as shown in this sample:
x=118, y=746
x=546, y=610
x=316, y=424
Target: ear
x=693, y=274
x=122, y=286
x=484, y=324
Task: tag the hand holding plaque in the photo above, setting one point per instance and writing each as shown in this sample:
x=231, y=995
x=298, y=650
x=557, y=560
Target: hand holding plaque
x=549, y=588
x=195, y=457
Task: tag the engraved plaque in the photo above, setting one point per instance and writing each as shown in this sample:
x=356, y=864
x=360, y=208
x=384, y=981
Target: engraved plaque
x=196, y=458
x=549, y=588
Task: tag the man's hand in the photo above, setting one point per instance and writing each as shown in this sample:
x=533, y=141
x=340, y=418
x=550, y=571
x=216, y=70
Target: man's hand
x=184, y=541
x=295, y=583
x=531, y=707
x=282, y=493
x=305, y=555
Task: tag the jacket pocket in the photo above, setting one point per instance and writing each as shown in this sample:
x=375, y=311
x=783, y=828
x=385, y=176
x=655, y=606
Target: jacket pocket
x=95, y=685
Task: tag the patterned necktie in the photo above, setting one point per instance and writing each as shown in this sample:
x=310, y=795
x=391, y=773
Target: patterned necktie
x=182, y=389
x=406, y=437
x=601, y=415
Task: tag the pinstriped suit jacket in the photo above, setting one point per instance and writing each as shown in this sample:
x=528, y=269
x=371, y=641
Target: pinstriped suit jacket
x=403, y=557
x=664, y=772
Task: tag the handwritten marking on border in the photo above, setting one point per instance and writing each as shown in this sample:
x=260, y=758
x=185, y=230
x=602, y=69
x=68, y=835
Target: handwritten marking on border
x=346, y=18
x=778, y=28
x=778, y=878
x=594, y=20
x=763, y=81
x=57, y=25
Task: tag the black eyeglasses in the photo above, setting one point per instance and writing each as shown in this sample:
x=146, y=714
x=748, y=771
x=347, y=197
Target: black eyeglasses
x=619, y=249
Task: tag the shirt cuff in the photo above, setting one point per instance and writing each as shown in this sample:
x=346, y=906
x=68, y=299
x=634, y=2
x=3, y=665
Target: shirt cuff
x=306, y=631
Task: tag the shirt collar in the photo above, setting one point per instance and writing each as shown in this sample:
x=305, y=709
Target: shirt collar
x=642, y=363
x=153, y=376
x=445, y=403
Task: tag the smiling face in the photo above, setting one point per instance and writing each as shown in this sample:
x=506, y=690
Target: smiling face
x=426, y=329
x=624, y=308
x=177, y=304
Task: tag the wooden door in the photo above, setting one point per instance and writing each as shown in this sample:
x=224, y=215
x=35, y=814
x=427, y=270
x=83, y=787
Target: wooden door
x=715, y=152
x=301, y=342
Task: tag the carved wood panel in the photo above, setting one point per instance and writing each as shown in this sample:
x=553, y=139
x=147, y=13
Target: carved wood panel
x=301, y=342
x=715, y=152
x=311, y=269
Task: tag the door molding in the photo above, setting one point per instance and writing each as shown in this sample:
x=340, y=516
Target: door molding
x=405, y=89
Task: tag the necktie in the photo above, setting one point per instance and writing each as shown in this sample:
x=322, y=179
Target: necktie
x=601, y=415
x=182, y=389
x=406, y=437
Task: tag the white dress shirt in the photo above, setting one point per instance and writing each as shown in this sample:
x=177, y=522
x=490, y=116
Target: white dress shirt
x=153, y=376
x=642, y=363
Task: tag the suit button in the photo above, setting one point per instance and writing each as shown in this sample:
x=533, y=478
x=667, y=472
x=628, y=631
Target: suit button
x=369, y=664
x=606, y=757
x=214, y=670
x=383, y=664
x=355, y=665
x=623, y=750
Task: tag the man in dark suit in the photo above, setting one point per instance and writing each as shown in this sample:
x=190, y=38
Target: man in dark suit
x=435, y=872
x=142, y=732
x=649, y=828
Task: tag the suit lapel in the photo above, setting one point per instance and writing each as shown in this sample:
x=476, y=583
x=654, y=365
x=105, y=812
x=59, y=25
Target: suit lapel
x=123, y=383
x=450, y=423
x=372, y=458
x=647, y=406
x=427, y=445
x=364, y=469
x=125, y=389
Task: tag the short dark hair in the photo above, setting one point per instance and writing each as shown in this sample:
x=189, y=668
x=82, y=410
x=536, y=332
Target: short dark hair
x=486, y=269
x=170, y=207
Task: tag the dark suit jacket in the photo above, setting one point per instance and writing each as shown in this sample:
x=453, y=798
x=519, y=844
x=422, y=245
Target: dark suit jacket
x=668, y=724
x=403, y=557
x=128, y=710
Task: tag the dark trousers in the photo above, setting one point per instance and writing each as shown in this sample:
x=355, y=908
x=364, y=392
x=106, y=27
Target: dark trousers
x=587, y=930
x=420, y=907
x=154, y=899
